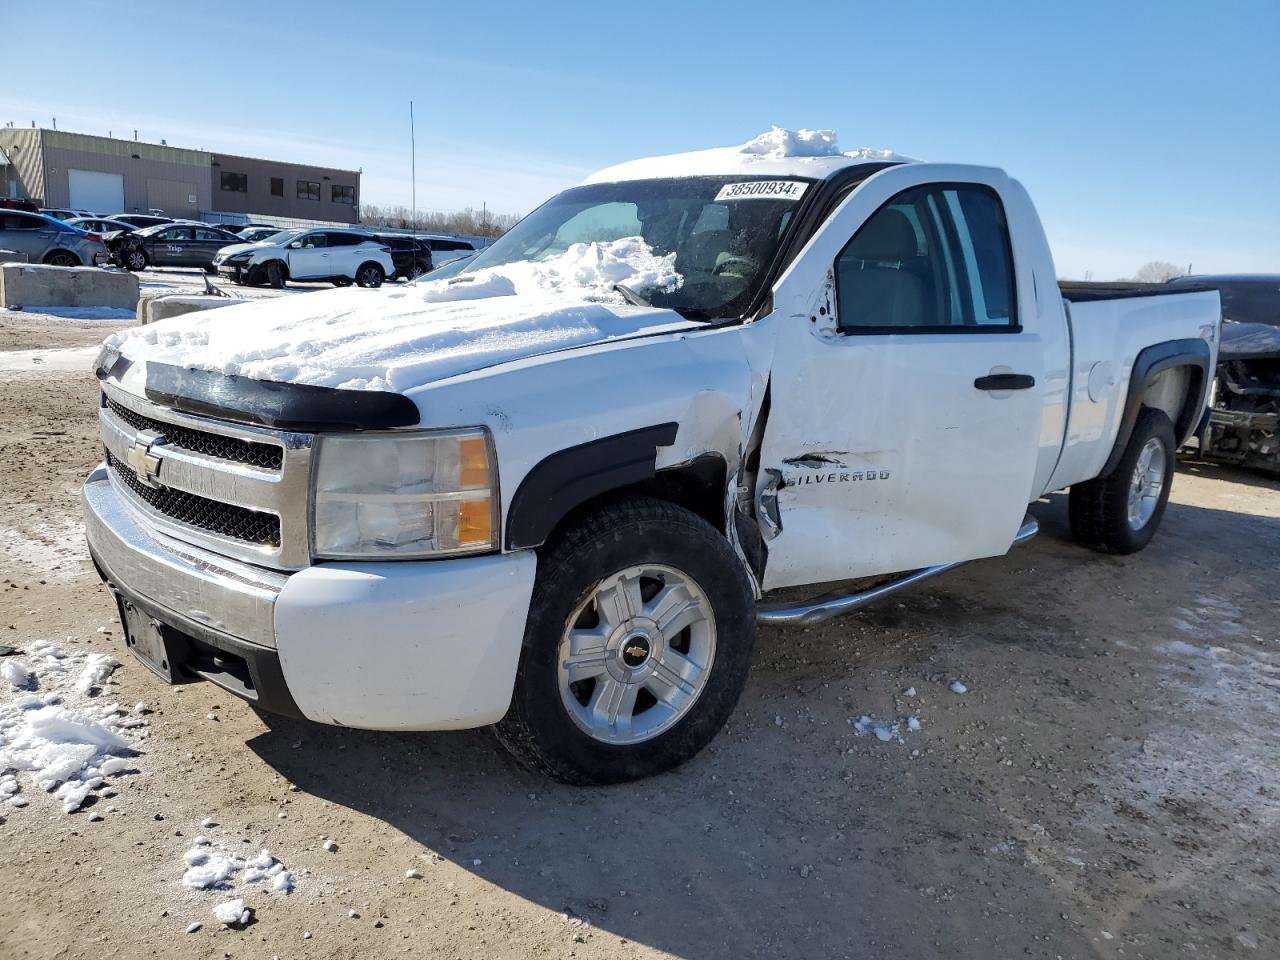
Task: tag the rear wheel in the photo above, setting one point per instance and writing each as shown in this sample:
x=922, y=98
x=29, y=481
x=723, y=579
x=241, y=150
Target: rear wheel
x=1121, y=511
x=417, y=270
x=637, y=646
x=135, y=259
x=62, y=258
x=370, y=275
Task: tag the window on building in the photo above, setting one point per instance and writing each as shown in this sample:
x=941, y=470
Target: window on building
x=277, y=186
x=343, y=194
x=237, y=182
x=308, y=190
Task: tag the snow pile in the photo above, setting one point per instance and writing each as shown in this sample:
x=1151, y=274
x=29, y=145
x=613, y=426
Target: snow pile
x=399, y=338
x=209, y=868
x=232, y=913
x=778, y=143
x=54, y=734
x=778, y=152
x=883, y=730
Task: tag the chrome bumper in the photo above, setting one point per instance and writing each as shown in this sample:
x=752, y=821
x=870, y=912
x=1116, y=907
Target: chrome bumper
x=194, y=585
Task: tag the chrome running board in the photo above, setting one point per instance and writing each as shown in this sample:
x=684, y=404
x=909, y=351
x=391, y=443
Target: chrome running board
x=834, y=605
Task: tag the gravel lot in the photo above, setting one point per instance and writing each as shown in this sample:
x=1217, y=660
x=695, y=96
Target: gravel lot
x=1109, y=784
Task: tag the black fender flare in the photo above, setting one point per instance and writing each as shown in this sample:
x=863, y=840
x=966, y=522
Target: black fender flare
x=569, y=478
x=1150, y=362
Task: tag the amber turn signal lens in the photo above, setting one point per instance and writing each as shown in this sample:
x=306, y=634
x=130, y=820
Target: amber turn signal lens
x=475, y=522
x=473, y=466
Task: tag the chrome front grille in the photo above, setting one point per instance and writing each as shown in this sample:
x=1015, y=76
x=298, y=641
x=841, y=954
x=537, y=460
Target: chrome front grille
x=237, y=490
x=265, y=455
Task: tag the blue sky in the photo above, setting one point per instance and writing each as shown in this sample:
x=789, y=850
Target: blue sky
x=1143, y=131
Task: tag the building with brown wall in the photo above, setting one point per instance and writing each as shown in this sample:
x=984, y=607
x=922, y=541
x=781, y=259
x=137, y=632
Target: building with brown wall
x=108, y=175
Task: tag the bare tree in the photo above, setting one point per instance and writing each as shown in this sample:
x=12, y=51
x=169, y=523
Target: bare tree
x=469, y=221
x=1158, y=271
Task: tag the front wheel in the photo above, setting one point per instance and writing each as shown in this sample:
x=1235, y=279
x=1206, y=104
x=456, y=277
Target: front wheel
x=636, y=649
x=62, y=258
x=135, y=260
x=369, y=275
x=1121, y=511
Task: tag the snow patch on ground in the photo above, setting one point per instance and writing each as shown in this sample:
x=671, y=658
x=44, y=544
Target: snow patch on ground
x=91, y=314
x=884, y=730
x=209, y=867
x=50, y=550
x=398, y=338
x=54, y=735
x=19, y=363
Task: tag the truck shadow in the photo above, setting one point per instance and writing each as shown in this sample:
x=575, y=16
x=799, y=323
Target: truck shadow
x=790, y=836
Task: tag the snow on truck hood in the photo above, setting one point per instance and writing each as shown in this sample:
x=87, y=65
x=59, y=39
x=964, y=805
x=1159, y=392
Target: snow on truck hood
x=395, y=339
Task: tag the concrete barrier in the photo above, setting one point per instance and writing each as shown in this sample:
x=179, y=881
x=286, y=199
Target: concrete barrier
x=37, y=285
x=151, y=309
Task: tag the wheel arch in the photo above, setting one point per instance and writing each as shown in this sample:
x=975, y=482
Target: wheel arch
x=1154, y=382
x=48, y=257
x=575, y=481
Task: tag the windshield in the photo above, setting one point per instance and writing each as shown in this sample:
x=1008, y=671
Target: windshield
x=723, y=231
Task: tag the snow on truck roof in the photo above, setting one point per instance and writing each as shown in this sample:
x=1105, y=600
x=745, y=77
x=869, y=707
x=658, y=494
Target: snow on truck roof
x=777, y=153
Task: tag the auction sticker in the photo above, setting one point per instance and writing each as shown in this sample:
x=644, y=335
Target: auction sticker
x=762, y=190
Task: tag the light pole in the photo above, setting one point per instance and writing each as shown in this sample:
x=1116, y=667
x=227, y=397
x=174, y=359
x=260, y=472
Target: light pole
x=413, y=168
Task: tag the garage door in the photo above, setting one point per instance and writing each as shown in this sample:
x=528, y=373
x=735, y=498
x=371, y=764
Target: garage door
x=99, y=192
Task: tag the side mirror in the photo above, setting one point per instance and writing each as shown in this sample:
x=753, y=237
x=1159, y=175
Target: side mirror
x=296, y=245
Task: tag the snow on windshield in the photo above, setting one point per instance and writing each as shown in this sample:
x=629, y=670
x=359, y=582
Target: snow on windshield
x=405, y=336
x=585, y=271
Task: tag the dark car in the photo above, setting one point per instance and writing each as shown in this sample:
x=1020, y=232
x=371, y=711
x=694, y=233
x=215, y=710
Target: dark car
x=139, y=220
x=1244, y=412
x=12, y=203
x=411, y=255
x=444, y=249
x=169, y=245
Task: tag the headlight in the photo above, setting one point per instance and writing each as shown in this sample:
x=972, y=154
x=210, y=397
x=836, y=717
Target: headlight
x=401, y=496
x=236, y=258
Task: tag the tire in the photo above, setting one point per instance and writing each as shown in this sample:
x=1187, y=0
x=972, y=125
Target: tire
x=415, y=271
x=369, y=275
x=276, y=275
x=1121, y=511
x=671, y=556
x=135, y=259
x=62, y=258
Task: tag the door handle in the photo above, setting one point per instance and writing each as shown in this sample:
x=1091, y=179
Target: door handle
x=1005, y=381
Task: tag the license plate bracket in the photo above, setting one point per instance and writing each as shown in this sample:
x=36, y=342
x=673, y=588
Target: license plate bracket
x=144, y=636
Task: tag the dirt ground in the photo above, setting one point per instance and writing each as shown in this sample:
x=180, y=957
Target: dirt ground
x=1109, y=784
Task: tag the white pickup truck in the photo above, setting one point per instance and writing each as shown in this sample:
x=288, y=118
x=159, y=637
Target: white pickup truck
x=554, y=492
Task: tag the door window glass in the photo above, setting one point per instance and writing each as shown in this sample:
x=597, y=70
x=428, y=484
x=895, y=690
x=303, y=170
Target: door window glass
x=934, y=258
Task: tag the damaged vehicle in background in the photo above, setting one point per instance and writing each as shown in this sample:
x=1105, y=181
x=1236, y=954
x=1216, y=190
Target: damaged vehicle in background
x=556, y=491
x=169, y=245
x=1244, y=414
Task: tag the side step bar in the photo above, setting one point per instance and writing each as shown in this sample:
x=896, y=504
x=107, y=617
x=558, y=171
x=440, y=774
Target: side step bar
x=834, y=605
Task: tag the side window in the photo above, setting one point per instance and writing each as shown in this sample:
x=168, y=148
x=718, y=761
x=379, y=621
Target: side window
x=16, y=221
x=342, y=239
x=313, y=240
x=934, y=258
x=211, y=235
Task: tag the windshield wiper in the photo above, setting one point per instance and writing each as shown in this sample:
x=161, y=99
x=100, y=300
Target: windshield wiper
x=631, y=296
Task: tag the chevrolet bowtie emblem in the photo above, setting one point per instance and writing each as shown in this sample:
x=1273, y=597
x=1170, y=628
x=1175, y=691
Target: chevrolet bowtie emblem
x=145, y=459
x=636, y=651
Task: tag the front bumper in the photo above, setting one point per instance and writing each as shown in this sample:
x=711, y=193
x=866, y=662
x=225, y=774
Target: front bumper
x=407, y=645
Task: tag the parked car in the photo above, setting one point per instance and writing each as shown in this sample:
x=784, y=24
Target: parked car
x=411, y=255
x=43, y=239
x=101, y=225
x=565, y=515
x=342, y=257
x=140, y=220
x=13, y=203
x=59, y=213
x=1244, y=415
x=169, y=245
x=444, y=249
x=450, y=269
x=240, y=228
x=255, y=234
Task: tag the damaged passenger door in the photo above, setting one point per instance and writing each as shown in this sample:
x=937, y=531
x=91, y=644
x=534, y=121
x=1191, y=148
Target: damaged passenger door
x=905, y=386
